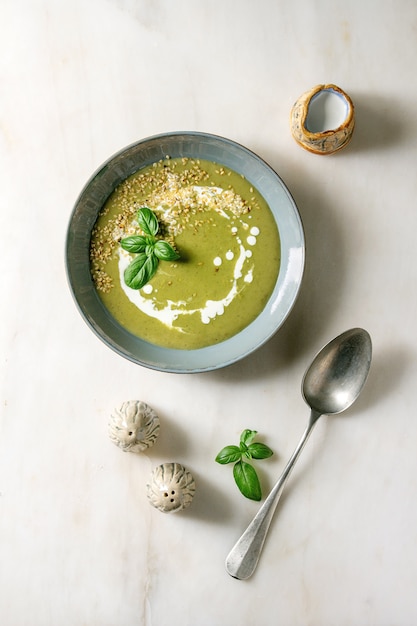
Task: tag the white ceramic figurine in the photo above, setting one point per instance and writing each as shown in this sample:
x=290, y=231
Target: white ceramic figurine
x=134, y=427
x=171, y=487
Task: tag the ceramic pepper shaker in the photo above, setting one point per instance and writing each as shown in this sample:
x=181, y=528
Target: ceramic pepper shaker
x=171, y=487
x=134, y=426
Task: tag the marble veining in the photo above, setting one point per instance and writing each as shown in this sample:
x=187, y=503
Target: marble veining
x=79, y=542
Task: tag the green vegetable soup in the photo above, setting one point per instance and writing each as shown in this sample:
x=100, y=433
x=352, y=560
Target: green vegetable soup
x=218, y=253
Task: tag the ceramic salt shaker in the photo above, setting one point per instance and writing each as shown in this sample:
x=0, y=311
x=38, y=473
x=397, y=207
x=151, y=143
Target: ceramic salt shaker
x=323, y=119
x=171, y=487
x=134, y=426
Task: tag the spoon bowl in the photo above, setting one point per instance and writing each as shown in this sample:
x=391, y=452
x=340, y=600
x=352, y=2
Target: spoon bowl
x=330, y=385
x=338, y=372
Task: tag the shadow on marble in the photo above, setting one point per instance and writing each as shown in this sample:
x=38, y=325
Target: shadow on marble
x=172, y=442
x=210, y=503
x=380, y=123
x=267, y=478
x=389, y=366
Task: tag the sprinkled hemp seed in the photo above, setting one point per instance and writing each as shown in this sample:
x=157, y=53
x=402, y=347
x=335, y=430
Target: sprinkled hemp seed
x=177, y=191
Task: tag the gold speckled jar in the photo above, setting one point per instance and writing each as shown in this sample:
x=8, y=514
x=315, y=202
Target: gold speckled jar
x=322, y=140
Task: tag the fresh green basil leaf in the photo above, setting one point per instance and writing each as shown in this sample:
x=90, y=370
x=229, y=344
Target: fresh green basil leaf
x=247, y=453
x=165, y=252
x=259, y=451
x=248, y=436
x=247, y=480
x=148, y=221
x=243, y=448
x=134, y=243
x=229, y=454
x=149, y=250
x=140, y=271
x=133, y=268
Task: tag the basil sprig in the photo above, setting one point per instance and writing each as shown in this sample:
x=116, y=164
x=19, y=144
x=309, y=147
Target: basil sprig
x=148, y=248
x=244, y=473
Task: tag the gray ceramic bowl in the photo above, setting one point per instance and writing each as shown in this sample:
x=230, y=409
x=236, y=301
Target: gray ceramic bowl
x=193, y=145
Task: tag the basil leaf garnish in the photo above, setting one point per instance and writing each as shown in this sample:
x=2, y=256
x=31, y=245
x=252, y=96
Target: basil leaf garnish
x=134, y=243
x=259, y=451
x=247, y=480
x=229, y=454
x=140, y=270
x=149, y=250
x=148, y=221
x=244, y=473
x=165, y=252
x=248, y=436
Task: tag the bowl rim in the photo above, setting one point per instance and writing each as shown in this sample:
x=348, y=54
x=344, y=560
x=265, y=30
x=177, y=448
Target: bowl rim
x=91, y=199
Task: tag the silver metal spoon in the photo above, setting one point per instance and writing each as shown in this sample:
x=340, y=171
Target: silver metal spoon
x=330, y=385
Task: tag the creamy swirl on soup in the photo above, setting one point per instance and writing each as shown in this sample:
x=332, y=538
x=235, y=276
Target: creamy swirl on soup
x=229, y=254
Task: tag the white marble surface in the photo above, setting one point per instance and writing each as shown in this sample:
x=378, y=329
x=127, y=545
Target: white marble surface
x=79, y=544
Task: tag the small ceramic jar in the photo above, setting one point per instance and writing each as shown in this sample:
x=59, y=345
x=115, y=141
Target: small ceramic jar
x=322, y=120
x=134, y=427
x=171, y=488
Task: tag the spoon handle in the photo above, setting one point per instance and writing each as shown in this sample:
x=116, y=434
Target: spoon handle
x=242, y=560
